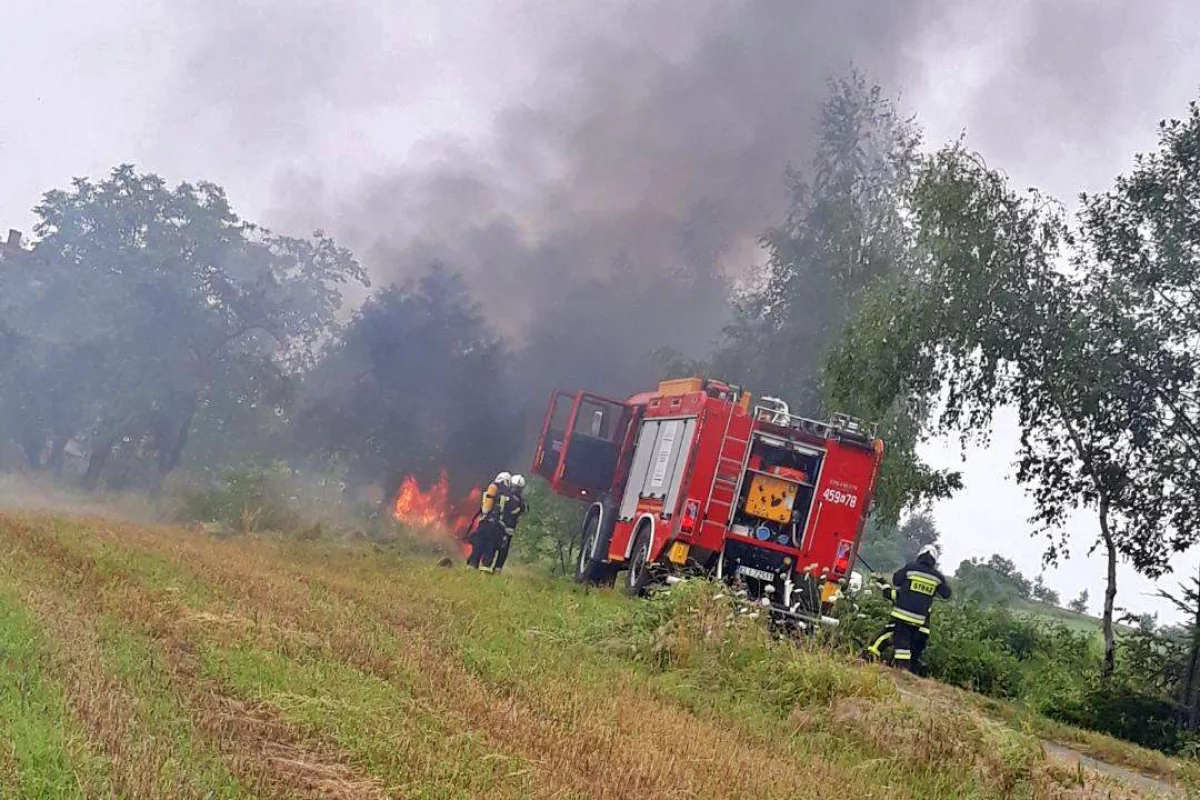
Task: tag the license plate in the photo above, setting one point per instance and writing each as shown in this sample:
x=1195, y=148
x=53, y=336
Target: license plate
x=751, y=572
x=678, y=553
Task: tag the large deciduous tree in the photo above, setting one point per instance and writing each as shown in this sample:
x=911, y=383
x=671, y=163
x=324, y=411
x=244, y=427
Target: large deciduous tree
x=848, y=228
x=845, y=226
x=1090, y=357
x=138, y=298
x=1001, y=325
x=415, y=384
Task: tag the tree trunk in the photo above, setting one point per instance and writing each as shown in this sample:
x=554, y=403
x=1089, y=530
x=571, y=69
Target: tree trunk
x=32, y=447
x=175, y=438
x=100, y=454
x=58, y=454
x=1110, y=592
x=1191, y=695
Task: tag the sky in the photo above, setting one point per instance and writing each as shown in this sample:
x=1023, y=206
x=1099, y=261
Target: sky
x=507, y=133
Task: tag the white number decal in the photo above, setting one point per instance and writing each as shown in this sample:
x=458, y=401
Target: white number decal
x=840, y=498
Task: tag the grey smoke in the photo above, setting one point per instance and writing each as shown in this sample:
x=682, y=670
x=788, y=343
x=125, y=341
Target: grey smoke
x=624, y=156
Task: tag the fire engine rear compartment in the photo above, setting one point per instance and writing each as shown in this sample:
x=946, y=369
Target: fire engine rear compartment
x=767, y=531
x=776, y=493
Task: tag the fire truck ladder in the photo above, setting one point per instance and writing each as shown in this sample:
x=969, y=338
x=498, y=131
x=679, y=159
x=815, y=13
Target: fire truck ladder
x=731, y=458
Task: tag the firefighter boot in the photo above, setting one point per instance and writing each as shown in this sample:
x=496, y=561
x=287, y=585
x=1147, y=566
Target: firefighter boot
x=903, y=641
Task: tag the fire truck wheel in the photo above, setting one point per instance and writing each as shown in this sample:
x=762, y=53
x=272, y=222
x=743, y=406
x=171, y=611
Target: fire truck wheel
x=593, y=543
x=639, y=564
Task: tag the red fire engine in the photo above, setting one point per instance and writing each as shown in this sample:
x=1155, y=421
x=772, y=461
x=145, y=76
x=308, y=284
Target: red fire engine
x=689, y=479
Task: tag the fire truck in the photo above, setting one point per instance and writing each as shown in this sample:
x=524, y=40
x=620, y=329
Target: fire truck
x=692, y=479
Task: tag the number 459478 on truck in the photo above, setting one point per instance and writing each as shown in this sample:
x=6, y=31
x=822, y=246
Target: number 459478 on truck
x=691, y=478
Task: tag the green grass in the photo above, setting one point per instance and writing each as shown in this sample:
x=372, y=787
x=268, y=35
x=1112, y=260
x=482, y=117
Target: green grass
x=191, y=765
x=260, y=665
x=44, y=750
x=379, y=725
x=1080, y=623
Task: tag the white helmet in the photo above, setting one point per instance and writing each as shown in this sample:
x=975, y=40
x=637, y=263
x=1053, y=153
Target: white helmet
x=503, y=478
x=932, y=550
x=518, y=482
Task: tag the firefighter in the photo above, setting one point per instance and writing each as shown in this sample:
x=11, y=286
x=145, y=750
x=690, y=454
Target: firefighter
x=483, y=538
x=512, y=506
x=913, y=589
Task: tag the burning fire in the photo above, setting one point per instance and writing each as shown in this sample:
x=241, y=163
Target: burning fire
x=432, y=511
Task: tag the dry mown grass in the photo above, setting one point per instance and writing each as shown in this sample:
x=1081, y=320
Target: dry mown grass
x=308, y=669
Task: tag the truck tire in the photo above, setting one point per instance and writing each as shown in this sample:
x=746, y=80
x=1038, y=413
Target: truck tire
x=594, y=536
x=638, y=576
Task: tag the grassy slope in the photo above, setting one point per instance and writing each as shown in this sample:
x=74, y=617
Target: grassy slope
x=1077, y=622
x=160, y=663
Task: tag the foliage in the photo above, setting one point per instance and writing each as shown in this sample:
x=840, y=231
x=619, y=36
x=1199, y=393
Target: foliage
x=1140, y=258
x=887, y=548
x=138, y=301
x=1080, y=604
x=848, y=230
x=1048, y=667
x=243, y=500
x=844, y=228
x=1121, y=709
x=988, y=321
x=549, y=532
x=996, y=580
x=1043, y=593
x=415, y=384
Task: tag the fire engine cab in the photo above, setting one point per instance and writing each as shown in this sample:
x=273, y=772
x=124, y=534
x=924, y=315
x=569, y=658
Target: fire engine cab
x=691, y=479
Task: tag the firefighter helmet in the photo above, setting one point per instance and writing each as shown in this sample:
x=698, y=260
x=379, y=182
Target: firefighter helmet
x=931, y=550
x=518, y=482
x=503, y=478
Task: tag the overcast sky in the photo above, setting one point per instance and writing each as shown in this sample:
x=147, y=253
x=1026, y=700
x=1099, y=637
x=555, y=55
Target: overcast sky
x=386, y=123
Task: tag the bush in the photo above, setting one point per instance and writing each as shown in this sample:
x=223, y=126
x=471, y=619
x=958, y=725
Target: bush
x=243, y=500
x=1124, y=711
x=699, y=635
x=1046, y=666
x=547, y=536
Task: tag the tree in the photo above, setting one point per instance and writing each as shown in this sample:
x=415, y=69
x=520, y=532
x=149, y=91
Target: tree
x=1043, y=593
x=844, y=228
x=415, y=384
x=1187, y=600
x=988, y=321
x=137, y=299
x=996, y=580
x=847, y=229
x=1080, y=604
x=889, y=547
x=1140, y=254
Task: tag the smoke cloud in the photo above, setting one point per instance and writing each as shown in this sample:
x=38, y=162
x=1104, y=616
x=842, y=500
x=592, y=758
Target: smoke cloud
x=607, y=167
x=628, y=175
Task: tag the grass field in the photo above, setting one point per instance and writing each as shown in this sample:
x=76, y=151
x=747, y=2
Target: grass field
x=145, y=662
x=1080, y=623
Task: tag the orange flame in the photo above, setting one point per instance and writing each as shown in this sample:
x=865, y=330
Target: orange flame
x=431, y=511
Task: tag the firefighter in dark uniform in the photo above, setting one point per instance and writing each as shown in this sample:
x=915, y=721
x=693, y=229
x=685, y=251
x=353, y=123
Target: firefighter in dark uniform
x=485, y=538
x=512, y=506
x=913, y=589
